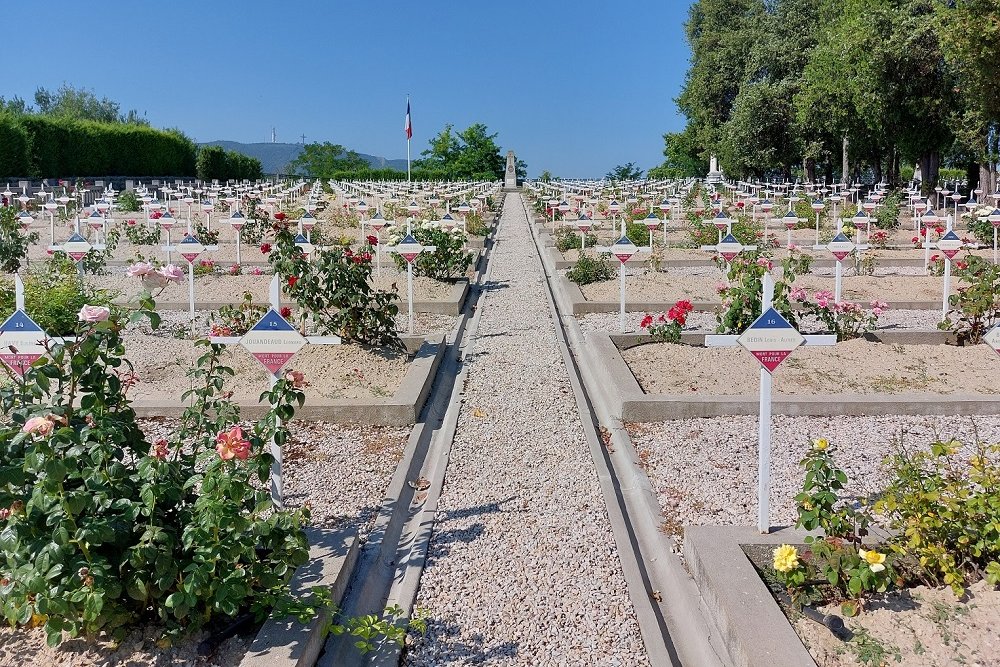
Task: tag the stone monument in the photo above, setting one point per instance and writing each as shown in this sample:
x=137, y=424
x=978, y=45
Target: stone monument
x=714, y=174
x=510, y=175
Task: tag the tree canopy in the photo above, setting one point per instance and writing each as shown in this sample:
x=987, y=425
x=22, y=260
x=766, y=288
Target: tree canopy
x=470, y=154
x=324, y=160
x=805, y=87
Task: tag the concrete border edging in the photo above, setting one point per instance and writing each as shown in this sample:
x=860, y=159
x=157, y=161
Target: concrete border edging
x=400, y=409
x=632, y=404
x=753, y=627
x=332, y=555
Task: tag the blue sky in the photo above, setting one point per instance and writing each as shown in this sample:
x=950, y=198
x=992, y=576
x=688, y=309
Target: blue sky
x=572, y=87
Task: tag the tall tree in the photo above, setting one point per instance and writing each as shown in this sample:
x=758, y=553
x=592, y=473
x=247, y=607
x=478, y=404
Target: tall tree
x=324, y=160
x=83, y=104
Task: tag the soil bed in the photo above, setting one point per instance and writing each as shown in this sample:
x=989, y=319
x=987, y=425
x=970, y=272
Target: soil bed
x=851, y=367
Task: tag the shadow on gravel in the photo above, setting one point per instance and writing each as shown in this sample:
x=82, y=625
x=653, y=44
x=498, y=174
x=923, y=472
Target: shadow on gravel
x=494, y=285
x=445, y=644
x=445, y=539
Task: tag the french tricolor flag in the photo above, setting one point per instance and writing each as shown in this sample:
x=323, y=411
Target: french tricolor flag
x=408, y=127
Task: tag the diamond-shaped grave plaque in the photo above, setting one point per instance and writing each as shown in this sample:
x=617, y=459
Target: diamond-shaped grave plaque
x=20, y=342
x=583, y=224
x=409, y=248
x=272, y=341
x=237, y=220
x=623, y=249
x=76, y=247
x=992, y=338
x=840, y=246
x=95, y=219
x=770, y=338
x=303, y=244
x=166, y=220
x=790, y=219
x=190, y=248
x=950, y=244
x=721, y=221
x=729, y=248
x=652, y=222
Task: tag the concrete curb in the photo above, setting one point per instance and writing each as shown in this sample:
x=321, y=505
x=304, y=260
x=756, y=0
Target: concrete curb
x=400, y=409
x=632, y=404
x=332, y=555
x=674, y=627
x=886, y=336
x=754, y=628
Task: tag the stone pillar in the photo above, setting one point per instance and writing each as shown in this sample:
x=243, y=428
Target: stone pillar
x=510, y=174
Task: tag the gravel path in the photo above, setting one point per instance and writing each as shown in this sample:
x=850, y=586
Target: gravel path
x=704, y=471
x=522, y=567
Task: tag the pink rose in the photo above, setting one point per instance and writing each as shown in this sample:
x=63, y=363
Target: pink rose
x=40, y=426
x=140, y=269
x=171, y=273
x=257, y=271
x=297, y=378
x=93, y=314
x=798, y=294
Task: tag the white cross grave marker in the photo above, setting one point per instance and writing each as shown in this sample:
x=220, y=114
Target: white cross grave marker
x=771, y=338
x=272, y=342
x=623, y=249
x=409, y=249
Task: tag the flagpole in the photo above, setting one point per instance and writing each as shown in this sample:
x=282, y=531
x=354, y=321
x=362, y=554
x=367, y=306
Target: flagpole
x=409, y=131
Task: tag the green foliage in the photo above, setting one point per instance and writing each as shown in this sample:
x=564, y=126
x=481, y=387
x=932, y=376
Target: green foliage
x=326, y=160
x=569, y=239
x=236, y=319
x=60, y=146
x=975, y=307
x=475, y=225
x=624, y=172
x=589, y=270
x=82, y=104
x=887, y=215
x=469, y=154
x=449, y=260
x=741, y=298
x=53, y=297
x=214, y=162
x=835, y=567
x=14, y=241
x=945, y=505
x=15, y=147
x=138, y=232
x=128, y=202
x=104, y=529
x=683, y=159
x=334, y=287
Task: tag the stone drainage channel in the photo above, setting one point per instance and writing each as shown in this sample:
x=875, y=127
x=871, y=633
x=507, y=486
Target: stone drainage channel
x=522, y=534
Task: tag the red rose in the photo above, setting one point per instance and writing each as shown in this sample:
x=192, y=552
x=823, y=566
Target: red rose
x=292, y=280
x=279, y=216
x=372, y=240
x=265, y=248
x=646, y=321
x=286, y=311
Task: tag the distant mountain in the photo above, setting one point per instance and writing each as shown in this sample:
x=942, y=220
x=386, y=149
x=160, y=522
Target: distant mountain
x=274, y=158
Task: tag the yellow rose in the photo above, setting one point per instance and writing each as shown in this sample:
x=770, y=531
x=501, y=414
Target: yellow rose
x=874, y=559
x=821, y=444
x=786, y=558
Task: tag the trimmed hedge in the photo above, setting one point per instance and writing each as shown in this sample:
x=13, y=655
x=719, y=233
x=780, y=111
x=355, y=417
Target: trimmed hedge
x=46, y=147
x=216, y=162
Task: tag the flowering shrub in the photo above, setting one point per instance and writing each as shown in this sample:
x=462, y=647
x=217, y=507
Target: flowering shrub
x=336, y=292
x=975, y=307
x=879, y=239
x=474, y=224
x=204, y=235
x=945, y=506
x=834, y=567
x=667, y=328
x=204, y=267
x=449, y=260
x=741, y=298
x=141, y=233
x=846, y=319
x=104, y=528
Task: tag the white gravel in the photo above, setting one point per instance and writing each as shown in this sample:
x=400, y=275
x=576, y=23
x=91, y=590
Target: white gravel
x=704, y=471
x=522, y=567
